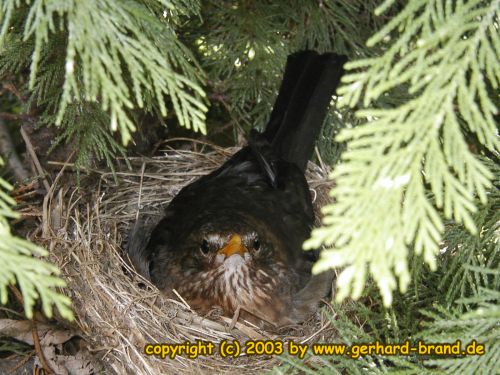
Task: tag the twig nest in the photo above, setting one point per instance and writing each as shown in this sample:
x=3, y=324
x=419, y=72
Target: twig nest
x=118, y=312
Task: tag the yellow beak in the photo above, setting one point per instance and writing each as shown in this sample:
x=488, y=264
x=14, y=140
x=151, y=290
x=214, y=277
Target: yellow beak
x=233, y=246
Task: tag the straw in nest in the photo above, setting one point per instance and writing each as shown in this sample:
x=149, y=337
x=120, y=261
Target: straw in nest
x=117, y=311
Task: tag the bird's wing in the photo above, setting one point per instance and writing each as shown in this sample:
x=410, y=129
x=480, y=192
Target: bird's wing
x=262, y=151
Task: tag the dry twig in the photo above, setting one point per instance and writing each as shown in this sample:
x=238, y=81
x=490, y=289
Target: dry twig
x=118, y=311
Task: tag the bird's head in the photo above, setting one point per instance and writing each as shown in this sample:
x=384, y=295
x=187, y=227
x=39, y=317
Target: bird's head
x=238, y=251
x=238, y=264
x=231, y=249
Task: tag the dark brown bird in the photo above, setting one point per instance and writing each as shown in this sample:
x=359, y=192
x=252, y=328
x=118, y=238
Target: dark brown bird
x=233, y=238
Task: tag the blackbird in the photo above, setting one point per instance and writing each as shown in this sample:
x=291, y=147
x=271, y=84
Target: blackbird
x=233, y=238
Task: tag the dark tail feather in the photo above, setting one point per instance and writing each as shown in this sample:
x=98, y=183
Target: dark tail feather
x=294, y=68
x=309, y=82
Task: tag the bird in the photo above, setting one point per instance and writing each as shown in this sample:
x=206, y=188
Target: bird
x=233, y=238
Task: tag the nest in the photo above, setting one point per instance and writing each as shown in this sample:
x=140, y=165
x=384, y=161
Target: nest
x=117, y=311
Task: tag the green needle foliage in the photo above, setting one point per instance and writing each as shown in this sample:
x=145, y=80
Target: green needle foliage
x=458, y=301
x=122, y=55
x=411, y=163
x=20, y=262
x=243, y=46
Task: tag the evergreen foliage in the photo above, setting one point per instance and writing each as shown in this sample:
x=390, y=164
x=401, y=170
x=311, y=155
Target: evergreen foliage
x=243, y=46
x=411, y=161
x=19, y=258
x=458, y=301
x=121, y=55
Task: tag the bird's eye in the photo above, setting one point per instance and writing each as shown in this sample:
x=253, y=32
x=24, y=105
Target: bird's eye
x=204, y=247
x=256, y=244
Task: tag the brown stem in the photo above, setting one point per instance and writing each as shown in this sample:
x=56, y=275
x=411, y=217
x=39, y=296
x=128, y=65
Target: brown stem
x=39, y=351
x=31, y=151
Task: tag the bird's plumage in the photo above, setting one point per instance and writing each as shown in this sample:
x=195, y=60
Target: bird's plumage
x=233, y=238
